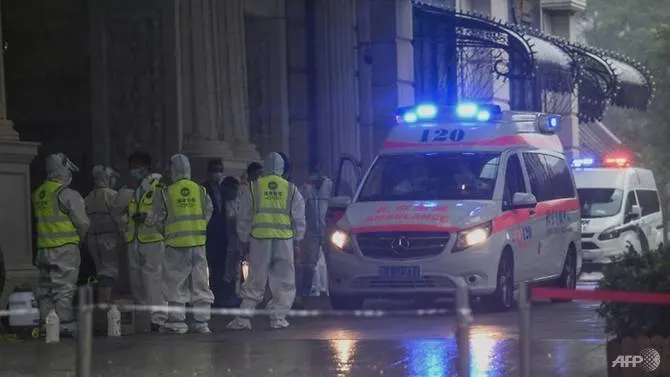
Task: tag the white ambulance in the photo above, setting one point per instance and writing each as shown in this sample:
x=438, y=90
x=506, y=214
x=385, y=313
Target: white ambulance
x=620, y=209
x=467, y=192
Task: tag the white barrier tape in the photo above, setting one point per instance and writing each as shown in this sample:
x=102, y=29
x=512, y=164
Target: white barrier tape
x=255, y=312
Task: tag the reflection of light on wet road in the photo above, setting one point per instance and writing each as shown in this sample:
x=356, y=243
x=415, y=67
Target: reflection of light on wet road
x=429, y=358
x=482, y=352
x=344, y=350
x=559, y=358
x=433, y=358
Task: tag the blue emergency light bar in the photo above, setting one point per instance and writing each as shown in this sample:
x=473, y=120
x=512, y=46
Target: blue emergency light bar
x=464, y=112
x=583, y=162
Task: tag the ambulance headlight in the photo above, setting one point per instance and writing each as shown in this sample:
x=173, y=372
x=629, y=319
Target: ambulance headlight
x=474, y=236
x=340, y=240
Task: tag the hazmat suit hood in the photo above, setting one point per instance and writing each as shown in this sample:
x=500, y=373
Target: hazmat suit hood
x=273, y=164
x=180, y=167
x=59, y=168
x=104, y=176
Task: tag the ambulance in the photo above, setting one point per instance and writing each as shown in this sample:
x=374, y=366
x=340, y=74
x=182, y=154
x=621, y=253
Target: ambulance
x=464, y=193
x=620, y=208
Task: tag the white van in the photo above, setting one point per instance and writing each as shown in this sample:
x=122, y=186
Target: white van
x=457, y=192
x=620, y=210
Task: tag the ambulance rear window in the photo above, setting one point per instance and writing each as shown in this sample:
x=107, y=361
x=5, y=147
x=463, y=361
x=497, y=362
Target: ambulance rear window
x=432, y=176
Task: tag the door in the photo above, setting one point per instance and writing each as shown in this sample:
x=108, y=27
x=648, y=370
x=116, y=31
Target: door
x=521, y=233
x=540, y=220
x=347, y=178
x=562, y=222
x=651, y=221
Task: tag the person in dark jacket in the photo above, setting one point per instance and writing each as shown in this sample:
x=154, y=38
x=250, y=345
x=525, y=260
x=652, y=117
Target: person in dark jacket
x=287, y=167
x=217, y=240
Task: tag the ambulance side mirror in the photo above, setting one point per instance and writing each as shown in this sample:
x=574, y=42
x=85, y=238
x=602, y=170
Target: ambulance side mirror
x=634, y=213
x=523, y=200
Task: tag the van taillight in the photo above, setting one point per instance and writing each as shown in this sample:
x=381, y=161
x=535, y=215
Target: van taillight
x=333, y=215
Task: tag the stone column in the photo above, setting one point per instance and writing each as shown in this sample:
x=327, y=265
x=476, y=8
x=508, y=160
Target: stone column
x=15, y=190
x=268, y=82
x=392, y=56
x=212, y=84
x=336, y=83
x=562, y=22
x=298, y=88
x=365, y=97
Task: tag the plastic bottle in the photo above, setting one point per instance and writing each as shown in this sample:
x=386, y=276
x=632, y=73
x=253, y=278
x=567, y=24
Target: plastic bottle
x=52, y=327
x=114, y=321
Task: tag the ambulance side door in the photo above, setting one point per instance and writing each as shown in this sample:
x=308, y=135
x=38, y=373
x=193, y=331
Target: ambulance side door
x=540, y=187
x=520, y=232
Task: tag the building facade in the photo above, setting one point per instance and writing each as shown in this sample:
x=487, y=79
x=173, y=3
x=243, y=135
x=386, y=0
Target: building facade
x=236, y=79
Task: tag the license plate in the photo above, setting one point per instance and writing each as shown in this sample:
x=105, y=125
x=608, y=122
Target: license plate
x=400, y=272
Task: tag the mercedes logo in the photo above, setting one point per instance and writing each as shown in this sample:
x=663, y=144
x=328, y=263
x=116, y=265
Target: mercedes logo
x=399, y=245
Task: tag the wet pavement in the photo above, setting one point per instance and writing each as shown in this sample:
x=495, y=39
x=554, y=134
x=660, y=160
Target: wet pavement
x=567, y=340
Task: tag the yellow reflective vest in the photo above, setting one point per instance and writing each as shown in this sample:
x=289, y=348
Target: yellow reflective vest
x=142, y=232
x=185, y=225
x=272, y=196
x=54, y=226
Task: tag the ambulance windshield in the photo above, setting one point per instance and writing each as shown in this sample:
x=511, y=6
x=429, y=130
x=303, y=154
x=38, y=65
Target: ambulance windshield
x=599, y=202
x=432, y=176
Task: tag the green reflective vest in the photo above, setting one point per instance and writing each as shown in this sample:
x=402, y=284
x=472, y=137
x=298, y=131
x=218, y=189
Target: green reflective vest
x=272, y=196
x=142, y=232
x=186, y=225
x=54, y=227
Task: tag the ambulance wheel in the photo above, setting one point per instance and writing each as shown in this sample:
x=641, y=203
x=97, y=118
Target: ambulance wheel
x=568, y=279
x=502, y=299
x=346, y=302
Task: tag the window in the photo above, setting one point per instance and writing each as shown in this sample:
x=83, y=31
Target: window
x=514, y=181
x=600, y=202
x=630, y=202
x=648, y=201
x=431, y=176
x=561, y=181
x=540, y=183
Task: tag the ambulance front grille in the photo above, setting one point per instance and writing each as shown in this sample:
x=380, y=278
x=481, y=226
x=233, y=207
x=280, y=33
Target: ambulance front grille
x=423, y=282
x=388, y=245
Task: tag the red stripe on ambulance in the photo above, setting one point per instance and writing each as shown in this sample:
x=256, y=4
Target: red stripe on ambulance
x=500, y=223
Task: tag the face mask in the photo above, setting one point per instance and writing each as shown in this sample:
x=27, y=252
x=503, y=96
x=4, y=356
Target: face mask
x=315, y=177
x=216, y=177
x=136, y=174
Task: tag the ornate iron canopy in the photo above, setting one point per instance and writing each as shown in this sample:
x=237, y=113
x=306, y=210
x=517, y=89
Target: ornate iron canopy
x=605, y=78
x=448, y=43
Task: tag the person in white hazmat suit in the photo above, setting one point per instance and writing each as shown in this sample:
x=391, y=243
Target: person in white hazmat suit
x=181, y=212
x=62, y=224
x=270, y=223
x=104, y=239
x=317, y=193
x=146, y=250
